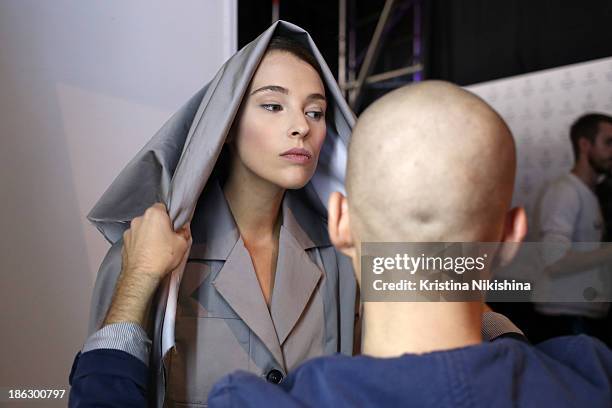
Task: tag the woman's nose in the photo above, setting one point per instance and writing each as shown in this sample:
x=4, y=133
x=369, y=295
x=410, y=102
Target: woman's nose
x=299, y=126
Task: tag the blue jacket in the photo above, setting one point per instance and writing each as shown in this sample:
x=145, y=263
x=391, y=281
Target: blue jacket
x=108, y=378
x=568, y=371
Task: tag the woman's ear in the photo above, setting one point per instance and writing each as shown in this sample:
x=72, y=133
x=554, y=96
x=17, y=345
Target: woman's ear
x=338, y=224
x=515, y=229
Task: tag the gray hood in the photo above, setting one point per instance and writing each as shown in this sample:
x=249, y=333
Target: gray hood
x=175, y=165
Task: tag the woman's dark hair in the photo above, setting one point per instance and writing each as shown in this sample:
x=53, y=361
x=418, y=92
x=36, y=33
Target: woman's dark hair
x=298, y=49
x=301, y=51
x=293, y=46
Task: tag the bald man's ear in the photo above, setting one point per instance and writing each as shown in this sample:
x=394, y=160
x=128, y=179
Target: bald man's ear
x=338, y=224
x=515, y=229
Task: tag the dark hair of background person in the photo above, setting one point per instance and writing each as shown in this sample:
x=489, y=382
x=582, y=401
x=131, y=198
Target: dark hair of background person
x=586, y=127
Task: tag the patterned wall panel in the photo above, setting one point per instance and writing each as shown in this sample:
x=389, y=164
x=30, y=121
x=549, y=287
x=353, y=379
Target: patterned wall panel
x=540, y=108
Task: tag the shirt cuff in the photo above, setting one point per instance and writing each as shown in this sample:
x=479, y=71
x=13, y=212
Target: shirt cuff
x=495, y=324
x=124, y=336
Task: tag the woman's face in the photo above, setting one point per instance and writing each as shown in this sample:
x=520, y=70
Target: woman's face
x=281, y=124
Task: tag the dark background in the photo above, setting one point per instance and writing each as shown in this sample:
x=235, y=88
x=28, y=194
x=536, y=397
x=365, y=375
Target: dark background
x=466, y=42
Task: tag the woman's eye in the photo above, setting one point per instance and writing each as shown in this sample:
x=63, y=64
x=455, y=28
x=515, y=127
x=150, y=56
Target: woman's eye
x=316, y=115
x=272, y=107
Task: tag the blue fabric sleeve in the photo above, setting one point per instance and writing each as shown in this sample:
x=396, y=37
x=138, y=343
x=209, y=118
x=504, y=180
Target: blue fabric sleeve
x=108, y=378
x=573, y=371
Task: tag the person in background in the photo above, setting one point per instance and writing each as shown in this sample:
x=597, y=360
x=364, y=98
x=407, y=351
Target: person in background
x=570, y=224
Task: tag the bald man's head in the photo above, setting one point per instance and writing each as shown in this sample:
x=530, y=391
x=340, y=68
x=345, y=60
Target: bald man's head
x=430, y=162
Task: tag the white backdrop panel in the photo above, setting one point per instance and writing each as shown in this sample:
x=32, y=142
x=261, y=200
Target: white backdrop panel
x=84, y=85
x=540, y=108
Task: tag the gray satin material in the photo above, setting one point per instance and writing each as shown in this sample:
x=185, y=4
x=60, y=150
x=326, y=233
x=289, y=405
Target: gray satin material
x=176, y=164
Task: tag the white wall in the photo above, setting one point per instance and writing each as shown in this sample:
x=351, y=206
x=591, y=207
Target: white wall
x=539, y=108
x=83, y=85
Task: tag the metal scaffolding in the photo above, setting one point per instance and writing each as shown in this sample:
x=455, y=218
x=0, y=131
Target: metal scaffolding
x=352, y=83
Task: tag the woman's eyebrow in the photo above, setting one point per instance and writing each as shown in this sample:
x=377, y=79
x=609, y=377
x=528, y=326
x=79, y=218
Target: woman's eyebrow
x=274, y=88
x=316, y=96
x=285, y=91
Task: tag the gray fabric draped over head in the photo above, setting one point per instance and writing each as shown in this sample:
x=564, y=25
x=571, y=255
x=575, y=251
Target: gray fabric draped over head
x=175, y=165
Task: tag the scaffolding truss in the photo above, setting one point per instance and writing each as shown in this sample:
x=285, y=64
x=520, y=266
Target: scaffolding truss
x=352, y=81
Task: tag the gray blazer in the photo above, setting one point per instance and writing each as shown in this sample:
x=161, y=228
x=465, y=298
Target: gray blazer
x=222, y=321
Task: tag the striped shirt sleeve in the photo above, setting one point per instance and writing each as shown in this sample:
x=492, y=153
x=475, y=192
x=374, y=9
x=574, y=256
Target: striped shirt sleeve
x=124, y=336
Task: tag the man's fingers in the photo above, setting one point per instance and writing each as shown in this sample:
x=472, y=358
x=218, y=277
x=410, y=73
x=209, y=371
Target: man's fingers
x=187, y=250
x=155, y=210
x=185, y=231
x=157, y=213
x=160, y=206
x=184, y=237
x=135, y=222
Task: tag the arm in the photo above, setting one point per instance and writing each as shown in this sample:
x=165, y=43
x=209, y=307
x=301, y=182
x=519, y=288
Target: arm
x=112, y=367
x=151, y=249
x=109, y=378
x=575, y=261
x=558, y=212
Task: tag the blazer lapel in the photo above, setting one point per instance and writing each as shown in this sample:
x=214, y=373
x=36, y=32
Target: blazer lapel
x=296, y=279
x=216, y=237
x=238, y=285
x=297, y=275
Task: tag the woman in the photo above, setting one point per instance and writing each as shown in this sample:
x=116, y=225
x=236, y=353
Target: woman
x=252, y=297
x=263, y=289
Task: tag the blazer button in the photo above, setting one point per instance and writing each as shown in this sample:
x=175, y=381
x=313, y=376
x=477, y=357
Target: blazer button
x=274, y=376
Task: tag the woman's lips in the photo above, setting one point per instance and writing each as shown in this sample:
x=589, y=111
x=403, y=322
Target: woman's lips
x=297, y=155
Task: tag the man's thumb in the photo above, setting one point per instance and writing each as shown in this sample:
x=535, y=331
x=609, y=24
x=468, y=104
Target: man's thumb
x=185, y=231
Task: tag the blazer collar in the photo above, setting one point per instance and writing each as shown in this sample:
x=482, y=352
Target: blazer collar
x=305, y=225
x=215, y=232
x=216, y=237
x=213, y=227
x=296, y=279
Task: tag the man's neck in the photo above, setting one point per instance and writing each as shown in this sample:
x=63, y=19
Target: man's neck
x=585, y=172
x=391, y=329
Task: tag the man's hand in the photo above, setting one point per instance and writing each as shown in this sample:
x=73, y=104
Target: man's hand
x=151, y=250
